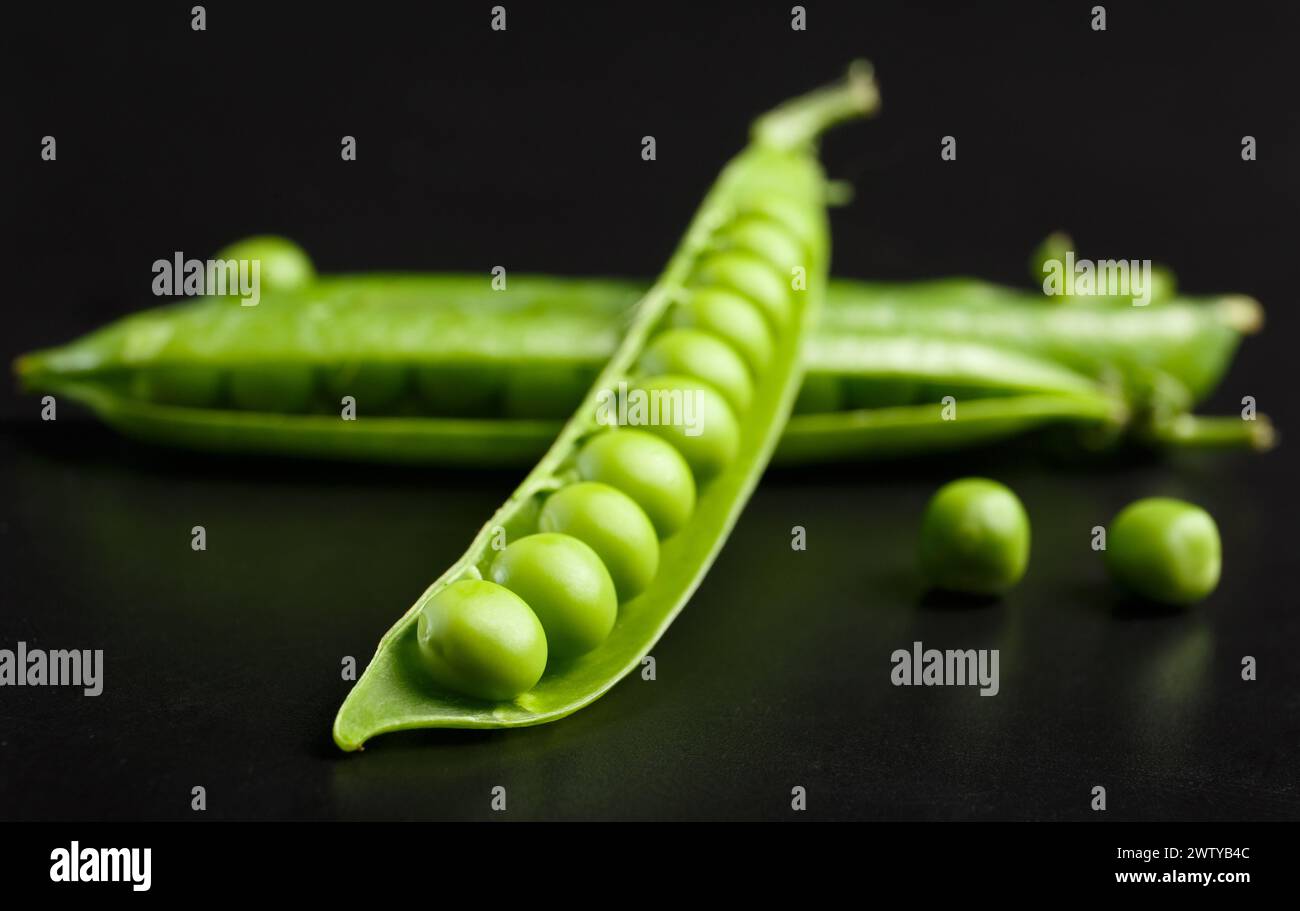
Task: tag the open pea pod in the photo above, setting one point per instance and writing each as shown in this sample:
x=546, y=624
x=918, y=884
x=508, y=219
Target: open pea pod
x=465, y=654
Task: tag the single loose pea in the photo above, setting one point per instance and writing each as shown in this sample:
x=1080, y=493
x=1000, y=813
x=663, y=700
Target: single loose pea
x=481, y=639
x=459, y=390
x=648, y=469
x=765, y=237
x=613, y=525
x=695, y=418
x=545, y=392
x=273, y=388
x=821, y=393
x=567, y=587
x=1164, y=549
x=751, y=276
x=731, y=317
x=376, y=387
x=187, y=385
x=282, y=264
x=694, y=352
x=974, y=537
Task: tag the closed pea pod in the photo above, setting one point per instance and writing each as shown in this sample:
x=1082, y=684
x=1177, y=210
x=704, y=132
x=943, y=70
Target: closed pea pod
x=376, y=387
x=648, y=469
x=161, y=375
x=188, y=385
x=544, y=392
x=460, y=391
x=275, y=388
x=700, y=354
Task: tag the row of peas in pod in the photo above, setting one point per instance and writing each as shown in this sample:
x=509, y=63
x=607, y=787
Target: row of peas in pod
x=554, y=594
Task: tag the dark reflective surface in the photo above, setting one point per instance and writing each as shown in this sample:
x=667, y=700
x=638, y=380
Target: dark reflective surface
x=223, y=666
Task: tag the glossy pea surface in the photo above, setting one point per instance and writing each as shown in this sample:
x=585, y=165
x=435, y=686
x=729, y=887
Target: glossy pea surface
x=566, y=585
x=648, y=469
x=613, y=525
x=974, y=537
x=695, y=418
x=766, y=238
x=694, y=352
x=730, y=317
x=481, y=639
x=1166, y=550
x=751, y=276
x=282, y=264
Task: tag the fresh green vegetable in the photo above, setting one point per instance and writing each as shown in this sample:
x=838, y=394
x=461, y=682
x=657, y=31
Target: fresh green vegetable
x=1165, y=550
x=613, y=525
x=648, y=469
x=566, y=585
x=282, y=264
x=480, y=639
x=974, y=537
x=445, y=370
x=438, y=666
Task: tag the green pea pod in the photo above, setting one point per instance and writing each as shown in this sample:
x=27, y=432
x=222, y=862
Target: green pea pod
x=468, y=350
x=435, y=667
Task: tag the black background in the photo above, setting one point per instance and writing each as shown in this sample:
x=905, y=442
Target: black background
x=478, y=148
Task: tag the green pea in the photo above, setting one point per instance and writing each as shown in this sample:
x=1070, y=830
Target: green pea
x=376, y=387
x=273, y=388
x=821, y=393
x=282, y=264
x=692, y=416
x=567, y=587
x=459, y=391
x=801, y=221
x=974, y=537
x=481, y=639
x=613, y=525
x=187, y=385
x=545, y=392
x=752, y=277
x=648, y=469
x=765, y=237
x=1166, y=550
x=700, y=354
x=731, y=317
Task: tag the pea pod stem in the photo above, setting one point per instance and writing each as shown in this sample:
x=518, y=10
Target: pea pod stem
x=798, y=122
x=1192, y=431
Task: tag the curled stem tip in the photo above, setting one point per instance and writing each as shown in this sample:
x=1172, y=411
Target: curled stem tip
x=801, y=120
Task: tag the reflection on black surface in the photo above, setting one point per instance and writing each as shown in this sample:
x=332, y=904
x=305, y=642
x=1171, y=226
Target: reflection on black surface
x=222, y=667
